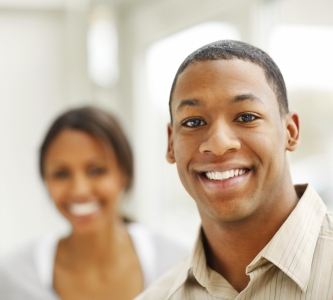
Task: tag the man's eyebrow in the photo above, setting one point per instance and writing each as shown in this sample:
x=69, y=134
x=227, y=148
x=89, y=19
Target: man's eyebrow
x=189, y=102
x=248, y=96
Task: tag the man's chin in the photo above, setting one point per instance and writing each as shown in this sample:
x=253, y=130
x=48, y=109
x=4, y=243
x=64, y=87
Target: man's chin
x=226, y=211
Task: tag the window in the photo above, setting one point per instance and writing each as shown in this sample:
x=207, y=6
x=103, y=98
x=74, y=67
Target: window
x=102, y=47
x=165, y=56
x=304, y=54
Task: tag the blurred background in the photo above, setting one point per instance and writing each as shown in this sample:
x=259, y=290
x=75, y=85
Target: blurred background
x=122, y=55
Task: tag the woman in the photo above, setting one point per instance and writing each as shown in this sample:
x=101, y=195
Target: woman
x=86, y=163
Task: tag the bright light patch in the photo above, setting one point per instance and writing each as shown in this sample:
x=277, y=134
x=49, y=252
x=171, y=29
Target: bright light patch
x=304, y=55
x=165, y=56
x=102, y=52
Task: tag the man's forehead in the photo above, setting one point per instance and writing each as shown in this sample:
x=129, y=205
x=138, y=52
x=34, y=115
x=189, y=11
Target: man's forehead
x=216, y=85
x=186, y=103
x=211, y=76
x=218, y=65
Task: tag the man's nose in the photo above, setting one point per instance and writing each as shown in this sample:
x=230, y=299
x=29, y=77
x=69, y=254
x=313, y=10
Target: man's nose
x=221, y=138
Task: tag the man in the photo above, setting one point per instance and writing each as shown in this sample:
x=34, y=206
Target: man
x=261, y=237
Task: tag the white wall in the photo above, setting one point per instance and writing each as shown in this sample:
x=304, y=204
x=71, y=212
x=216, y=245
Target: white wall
x=34, y=88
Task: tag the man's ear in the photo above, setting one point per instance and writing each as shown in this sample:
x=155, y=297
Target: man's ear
x=170, y=155
x=293, y=131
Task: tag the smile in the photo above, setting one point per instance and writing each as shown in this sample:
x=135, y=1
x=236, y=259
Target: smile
x=84, y=208
x=225, y=175
x=217, y=181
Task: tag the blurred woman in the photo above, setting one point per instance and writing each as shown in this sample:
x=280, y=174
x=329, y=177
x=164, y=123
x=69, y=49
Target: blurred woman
x=86, y=163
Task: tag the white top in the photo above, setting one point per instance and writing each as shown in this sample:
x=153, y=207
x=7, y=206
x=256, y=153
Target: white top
x=28, y=273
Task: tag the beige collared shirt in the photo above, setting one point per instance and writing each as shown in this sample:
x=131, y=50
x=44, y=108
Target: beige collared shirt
x=296, y=264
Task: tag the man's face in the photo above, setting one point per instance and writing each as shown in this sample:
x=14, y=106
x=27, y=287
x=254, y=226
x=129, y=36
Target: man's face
x=229, y=139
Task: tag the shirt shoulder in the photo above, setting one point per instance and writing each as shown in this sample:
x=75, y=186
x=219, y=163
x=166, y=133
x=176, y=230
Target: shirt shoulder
x=169, y=250
x=168, y=283
x=160, y=239
x=158, y=252
x=20, y=273
x=327, y=226
x=19, y=261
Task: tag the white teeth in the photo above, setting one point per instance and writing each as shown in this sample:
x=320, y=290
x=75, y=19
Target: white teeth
x=225, y=175
x=84, y=208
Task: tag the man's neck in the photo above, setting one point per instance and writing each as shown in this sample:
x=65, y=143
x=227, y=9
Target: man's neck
x=231, y=247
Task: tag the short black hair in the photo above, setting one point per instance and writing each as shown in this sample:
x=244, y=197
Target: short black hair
x=229, y=49
x=99, y=124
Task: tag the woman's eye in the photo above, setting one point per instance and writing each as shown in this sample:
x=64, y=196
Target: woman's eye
x=246, y=118
x=194, y=123
x=96, y=171
x=60, y=174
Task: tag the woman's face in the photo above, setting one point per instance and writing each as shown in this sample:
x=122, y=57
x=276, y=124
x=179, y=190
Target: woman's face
x=84, y=180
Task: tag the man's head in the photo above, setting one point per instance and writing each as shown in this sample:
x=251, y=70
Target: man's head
x=229, y=49
x=230, y=132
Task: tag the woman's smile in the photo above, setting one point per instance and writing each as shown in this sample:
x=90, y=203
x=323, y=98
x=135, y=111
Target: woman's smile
x=84, y=179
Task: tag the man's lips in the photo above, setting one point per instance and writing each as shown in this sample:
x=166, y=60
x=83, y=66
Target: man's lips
x=219, y=175
x=222, y=181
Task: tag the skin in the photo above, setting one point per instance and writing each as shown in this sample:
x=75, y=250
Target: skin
x=98, y=260
x=226, y=116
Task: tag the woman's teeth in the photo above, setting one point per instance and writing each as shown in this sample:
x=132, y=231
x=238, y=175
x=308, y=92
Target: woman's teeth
x=84, y=208
x=225, y=175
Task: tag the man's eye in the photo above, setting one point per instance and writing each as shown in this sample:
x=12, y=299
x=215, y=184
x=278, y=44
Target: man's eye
x=246, y=118
x=194, y=123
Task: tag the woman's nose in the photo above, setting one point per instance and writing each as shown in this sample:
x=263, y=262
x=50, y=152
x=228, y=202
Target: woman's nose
x=80, y=185
x=221, y=138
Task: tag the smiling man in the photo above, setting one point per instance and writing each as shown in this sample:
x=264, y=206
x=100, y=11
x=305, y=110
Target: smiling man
x=261, y=236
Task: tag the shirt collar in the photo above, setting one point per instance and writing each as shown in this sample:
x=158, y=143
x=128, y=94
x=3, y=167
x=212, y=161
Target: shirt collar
x=195, y=268
x=197, y=255
x=292, y=247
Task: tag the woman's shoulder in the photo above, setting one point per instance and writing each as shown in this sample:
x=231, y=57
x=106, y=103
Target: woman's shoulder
x=26, y=271
x=19, y=259
x=158, y=251
x=160, y=240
